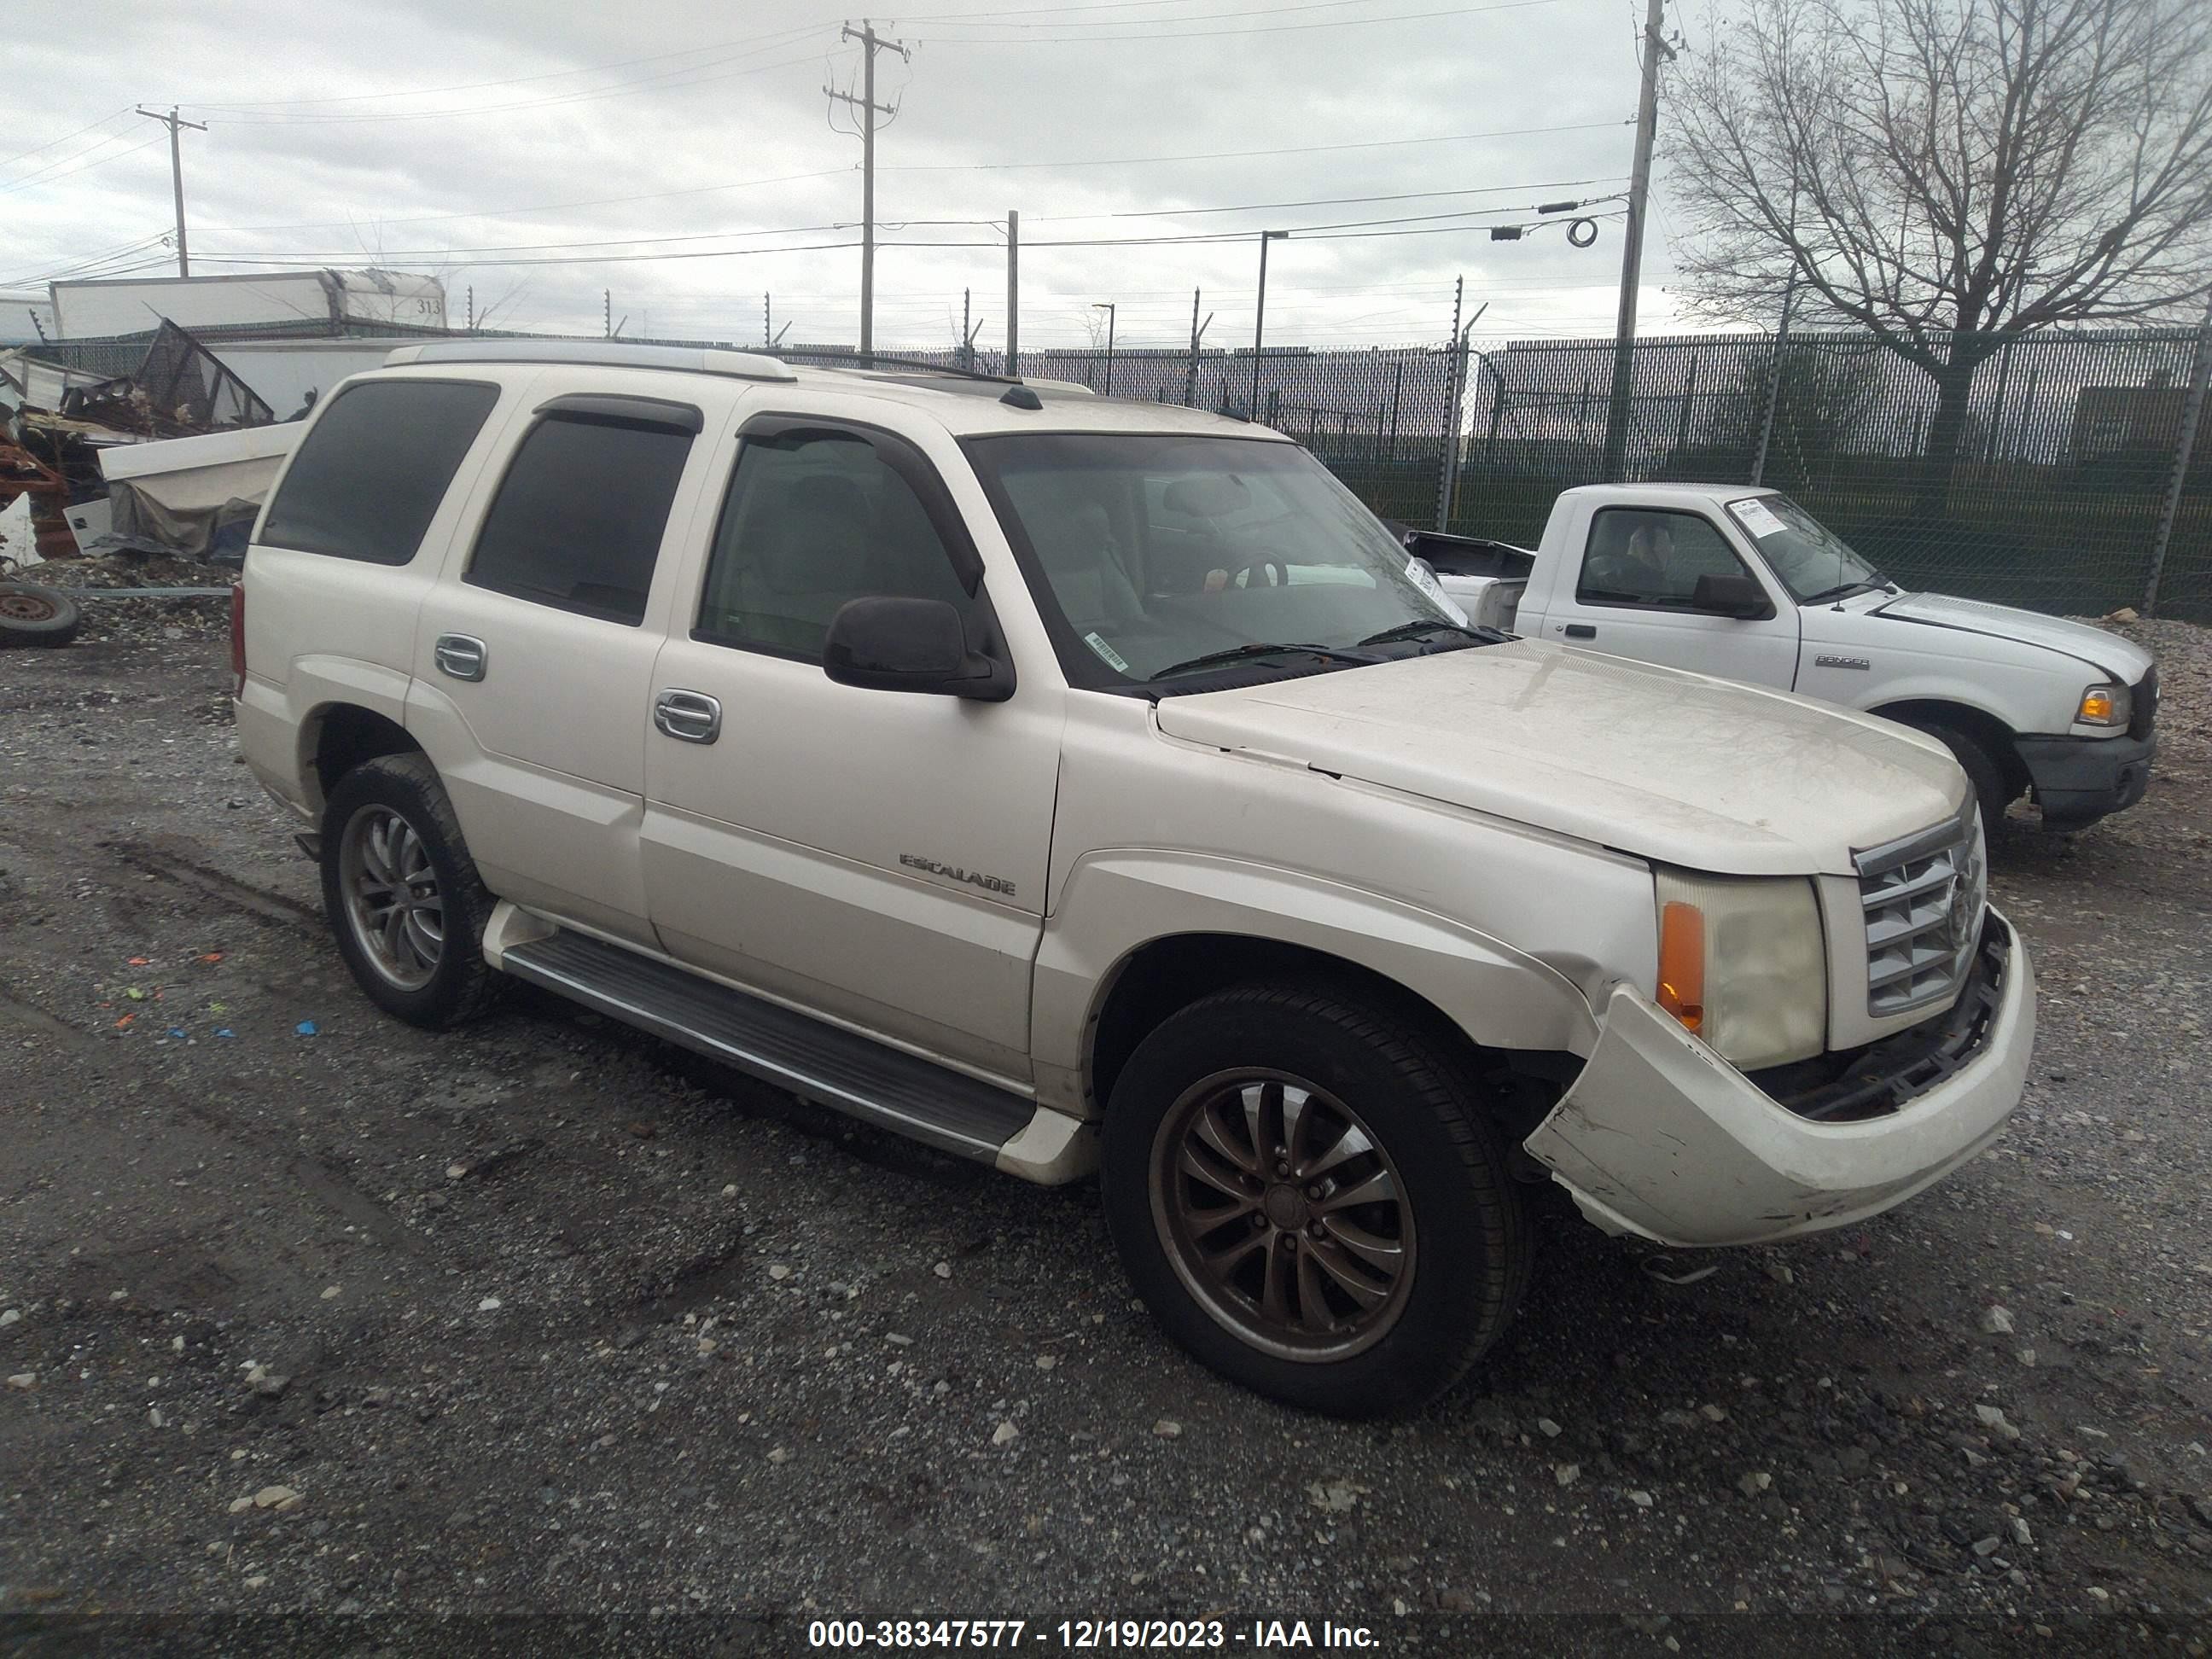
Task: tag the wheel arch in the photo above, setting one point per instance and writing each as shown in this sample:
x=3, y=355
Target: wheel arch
x=1144, y=934
x=1989, y=730
x=336, y=737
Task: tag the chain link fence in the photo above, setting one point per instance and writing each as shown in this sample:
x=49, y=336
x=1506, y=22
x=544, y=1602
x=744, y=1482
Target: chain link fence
x=2067, y=488
x=2077, y=480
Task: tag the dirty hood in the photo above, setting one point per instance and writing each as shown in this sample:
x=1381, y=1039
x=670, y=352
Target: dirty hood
x=2123, y=659
x=1673, y=767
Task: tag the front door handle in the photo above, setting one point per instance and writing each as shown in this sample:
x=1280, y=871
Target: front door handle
x=461, y=655
x=687, y=717
x=1580, y=631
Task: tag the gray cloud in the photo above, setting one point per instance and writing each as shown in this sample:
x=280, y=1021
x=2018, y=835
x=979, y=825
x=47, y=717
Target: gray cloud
x=731, y=95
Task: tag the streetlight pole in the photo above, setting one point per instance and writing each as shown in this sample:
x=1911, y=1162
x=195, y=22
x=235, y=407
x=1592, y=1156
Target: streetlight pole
x=1259, y=315
x=1107, y=306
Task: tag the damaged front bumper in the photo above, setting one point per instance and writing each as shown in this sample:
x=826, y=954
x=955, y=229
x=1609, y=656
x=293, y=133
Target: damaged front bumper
x=1661, y=1137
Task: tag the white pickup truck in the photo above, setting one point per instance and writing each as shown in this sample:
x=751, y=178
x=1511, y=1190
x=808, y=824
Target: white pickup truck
x=1079, y=784
x=1744, y=583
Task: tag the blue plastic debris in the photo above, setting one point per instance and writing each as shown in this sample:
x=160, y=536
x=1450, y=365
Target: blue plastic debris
x=177, y=1031
x=224, y=1031
x=306, y=1027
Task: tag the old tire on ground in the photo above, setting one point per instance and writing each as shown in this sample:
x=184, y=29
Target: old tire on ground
x=1983, y=769
x=1310, y=1200
x=30, y=615
x=402, y=896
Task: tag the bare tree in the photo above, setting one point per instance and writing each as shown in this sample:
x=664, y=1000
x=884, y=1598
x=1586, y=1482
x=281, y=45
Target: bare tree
x=1949, y=175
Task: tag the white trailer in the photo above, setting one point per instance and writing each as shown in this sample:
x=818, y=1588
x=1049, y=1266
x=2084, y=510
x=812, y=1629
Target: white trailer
x=92, y=310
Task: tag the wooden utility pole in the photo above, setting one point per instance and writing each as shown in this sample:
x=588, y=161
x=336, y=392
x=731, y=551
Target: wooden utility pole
x=1631, y=253
x=870, y=44
x=173, y=121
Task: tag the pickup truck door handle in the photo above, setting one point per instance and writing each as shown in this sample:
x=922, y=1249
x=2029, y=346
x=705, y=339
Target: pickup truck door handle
x=1580, y=631
x=687, y=717
x=461, y=656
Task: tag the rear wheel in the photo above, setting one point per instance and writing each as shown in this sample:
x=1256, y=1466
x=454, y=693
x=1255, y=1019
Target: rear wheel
x=1305, y=1194
x=402, y=896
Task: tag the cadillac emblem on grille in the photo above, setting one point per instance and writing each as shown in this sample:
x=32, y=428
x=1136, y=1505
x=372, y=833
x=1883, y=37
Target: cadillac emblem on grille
x=1922, y=901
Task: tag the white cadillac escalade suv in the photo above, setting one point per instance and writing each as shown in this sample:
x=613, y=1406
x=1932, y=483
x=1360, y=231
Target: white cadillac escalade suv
x=1080, y=785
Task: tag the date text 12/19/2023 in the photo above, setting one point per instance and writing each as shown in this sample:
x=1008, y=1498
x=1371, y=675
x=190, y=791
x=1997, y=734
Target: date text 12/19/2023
x=1090, y=1635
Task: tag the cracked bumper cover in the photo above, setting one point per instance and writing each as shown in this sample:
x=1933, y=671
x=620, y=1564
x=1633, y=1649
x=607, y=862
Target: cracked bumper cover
x=1661, y=1137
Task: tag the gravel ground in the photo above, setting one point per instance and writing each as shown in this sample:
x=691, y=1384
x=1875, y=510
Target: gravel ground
x=304, y=1311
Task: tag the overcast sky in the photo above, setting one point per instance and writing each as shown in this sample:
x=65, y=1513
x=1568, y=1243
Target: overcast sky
x=449, y=135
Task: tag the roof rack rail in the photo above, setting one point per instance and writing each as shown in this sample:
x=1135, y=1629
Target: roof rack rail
x=868, y=360
x=706, y=359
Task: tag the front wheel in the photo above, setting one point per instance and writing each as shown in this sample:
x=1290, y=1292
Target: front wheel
x=1309, y=1200
x=1983, y=769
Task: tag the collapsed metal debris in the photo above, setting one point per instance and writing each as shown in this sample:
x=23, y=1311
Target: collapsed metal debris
x=59, y=426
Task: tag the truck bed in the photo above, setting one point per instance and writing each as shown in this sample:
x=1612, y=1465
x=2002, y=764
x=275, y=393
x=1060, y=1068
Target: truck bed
x=1486, y=578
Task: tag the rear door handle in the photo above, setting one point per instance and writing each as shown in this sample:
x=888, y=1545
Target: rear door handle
x=687, y=717
x=461, y=655
x=1580, y=631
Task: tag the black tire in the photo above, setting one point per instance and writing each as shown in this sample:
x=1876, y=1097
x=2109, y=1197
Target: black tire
x=1982, y=769
x=459, y=985
x=30, y=615
x=1460, y=1226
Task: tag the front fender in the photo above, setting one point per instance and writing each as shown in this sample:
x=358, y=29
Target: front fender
x=1115, y=902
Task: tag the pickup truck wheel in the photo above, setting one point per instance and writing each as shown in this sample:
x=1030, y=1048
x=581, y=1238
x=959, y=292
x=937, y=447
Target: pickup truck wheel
x=1307, y=1200
x=1981, y=767
x=403, y=895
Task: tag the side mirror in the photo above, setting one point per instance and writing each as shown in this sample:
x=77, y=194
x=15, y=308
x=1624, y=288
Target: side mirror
x=885, y=644
x=1741, y=597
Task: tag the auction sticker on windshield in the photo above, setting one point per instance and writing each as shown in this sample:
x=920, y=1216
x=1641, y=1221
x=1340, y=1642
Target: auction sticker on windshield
x=1754, y=516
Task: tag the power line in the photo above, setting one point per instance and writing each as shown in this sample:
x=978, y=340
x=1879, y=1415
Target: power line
x=1208, y=35
x=666, y=80
x=1328, y=201
x=548, y=207
x=55, y=143
x=519, y=80
x=1244, y=154
x=47, y=176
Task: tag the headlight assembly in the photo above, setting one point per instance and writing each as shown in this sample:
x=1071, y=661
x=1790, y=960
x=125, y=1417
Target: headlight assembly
x=2103, y=705
x=1743, y=963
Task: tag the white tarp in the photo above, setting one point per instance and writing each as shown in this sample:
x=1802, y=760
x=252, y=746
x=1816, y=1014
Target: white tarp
x=179, y=492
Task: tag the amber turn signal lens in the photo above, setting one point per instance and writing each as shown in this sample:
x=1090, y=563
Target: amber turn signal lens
x=1682, y=964
x=2097, y=707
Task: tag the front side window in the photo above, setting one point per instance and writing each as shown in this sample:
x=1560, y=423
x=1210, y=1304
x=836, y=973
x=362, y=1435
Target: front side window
x=578, y=520
x=371, y=471
x=1813, y=562
x=815, y=518
x=1640, y=557
x=1160, y=556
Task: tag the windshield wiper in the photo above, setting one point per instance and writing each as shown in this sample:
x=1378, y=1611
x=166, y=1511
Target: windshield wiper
x=1238, y=653
x=1842, y=590
x=1414, y=630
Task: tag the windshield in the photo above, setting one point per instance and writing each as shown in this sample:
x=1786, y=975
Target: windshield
x=1165, y=555
x=1813, y=562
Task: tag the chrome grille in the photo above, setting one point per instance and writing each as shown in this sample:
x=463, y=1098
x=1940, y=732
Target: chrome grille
x=1922, y=897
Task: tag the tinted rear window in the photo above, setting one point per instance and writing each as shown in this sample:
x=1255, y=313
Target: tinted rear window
x=371, y=472
x=578, y=519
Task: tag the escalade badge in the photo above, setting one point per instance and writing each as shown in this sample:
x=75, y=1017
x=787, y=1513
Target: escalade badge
x=954, y=872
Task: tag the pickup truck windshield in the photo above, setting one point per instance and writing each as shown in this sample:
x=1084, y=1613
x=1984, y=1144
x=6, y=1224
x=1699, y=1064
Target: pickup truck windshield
x=1813, y=562
x=1158, y=555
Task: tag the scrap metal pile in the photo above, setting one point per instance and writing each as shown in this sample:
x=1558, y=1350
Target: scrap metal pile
x=106, y=481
